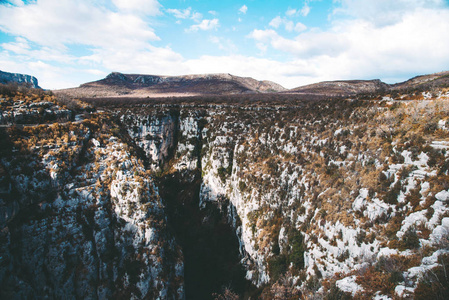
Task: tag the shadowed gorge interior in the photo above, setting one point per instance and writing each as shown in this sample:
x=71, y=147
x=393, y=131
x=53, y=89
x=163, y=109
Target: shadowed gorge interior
x=210, y=245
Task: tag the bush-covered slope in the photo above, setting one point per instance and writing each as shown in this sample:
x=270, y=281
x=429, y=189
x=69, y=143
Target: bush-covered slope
x=80, y=217
x=329, y=196
x=329, y=199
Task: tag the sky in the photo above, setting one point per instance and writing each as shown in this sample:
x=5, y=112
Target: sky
x=65, y=43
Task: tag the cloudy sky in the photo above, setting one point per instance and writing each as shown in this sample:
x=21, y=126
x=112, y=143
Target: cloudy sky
x=68, y=42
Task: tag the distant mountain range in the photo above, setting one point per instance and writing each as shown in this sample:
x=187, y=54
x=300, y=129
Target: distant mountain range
x=141, y=86
x=138, y=85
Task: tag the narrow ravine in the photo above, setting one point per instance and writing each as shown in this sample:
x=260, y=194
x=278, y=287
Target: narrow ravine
x=209, y=243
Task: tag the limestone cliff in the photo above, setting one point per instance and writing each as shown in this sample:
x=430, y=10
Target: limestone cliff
x=31, y=81
x=326, y=193
x=323, y=199
x=81, y=218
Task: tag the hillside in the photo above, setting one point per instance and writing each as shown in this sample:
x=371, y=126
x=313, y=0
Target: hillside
x=132, y=85
x=343, y=88
x=410, y=89
x=424, y=82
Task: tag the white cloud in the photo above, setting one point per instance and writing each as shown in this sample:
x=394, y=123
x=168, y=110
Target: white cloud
x=212, y=12
x=263, y=36
x=148, y=7
x=291, y=12
x=288, y=24
x=305, y=10
x=48, y=75
x=365, y=39
x=46, y=30
x=290, y=74
x=180, y=13
x=385, y=12
x=185, y=14
x=243, y=9
x=276, y=22
x=262, y=47
x=204, y=25
x=359, y=48
x=299, y=27
x=21, y=47
x=196, y=16
x=150, y=60
x=51, y=23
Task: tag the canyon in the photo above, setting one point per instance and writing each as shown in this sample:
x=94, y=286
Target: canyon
x=243, y=196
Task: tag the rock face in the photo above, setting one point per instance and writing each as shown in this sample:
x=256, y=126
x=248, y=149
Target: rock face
x=136, y=85
x=319, y=199
x=80, y=218
x=302, y=192
x=28, y=80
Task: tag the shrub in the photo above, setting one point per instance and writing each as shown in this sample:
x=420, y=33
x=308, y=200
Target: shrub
x=297, y=250
x=391, y=197
x=224, y=172
x=434, y=283
x=414, y=197
x=336, y=294
x=277, y=266
x=242, y=186
x=410, y=240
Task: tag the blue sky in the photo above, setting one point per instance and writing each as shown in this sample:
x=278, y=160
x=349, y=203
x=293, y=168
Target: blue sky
x=65, y=43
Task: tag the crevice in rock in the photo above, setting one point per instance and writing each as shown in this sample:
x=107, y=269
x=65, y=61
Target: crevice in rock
x=209, y=243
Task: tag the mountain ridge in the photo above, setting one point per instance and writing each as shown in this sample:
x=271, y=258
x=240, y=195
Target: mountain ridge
x=119, y=85
x=139, y=85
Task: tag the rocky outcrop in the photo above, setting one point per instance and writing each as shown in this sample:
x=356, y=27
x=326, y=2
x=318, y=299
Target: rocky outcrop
x=27, y=80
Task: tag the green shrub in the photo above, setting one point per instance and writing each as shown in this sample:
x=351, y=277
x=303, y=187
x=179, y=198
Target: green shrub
x=297, y=250
x=277, y=266
x=224, y=172
x=410, y=240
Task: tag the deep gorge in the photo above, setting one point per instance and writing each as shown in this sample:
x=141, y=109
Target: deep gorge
x=268, y=201
x=209, y=243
